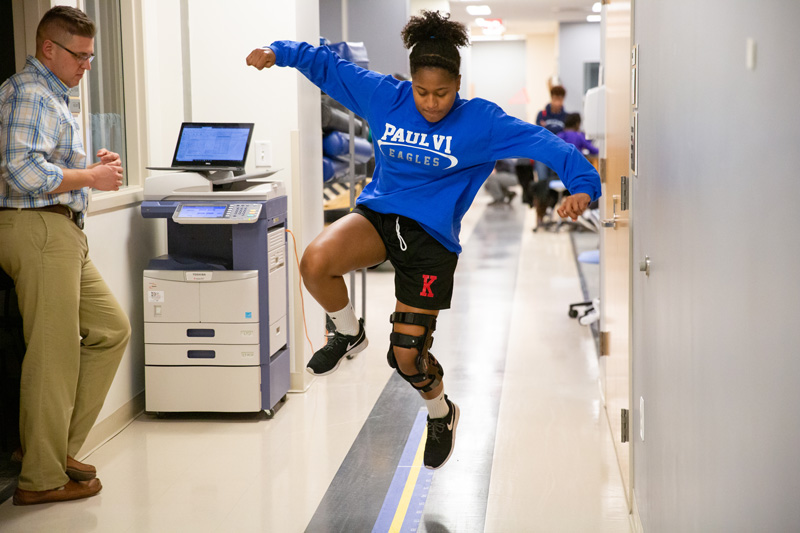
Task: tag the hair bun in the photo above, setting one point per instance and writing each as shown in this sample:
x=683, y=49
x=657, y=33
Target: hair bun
x=432, y=25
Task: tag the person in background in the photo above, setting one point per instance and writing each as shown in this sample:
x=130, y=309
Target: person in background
x=572, y=134
x=433, y=151
x=500, y=181
x=74, y=329
x=552, y=118
x=553, y=115
x=524, y=171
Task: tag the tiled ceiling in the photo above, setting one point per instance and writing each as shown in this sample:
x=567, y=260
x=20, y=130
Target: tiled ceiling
x=525, y=16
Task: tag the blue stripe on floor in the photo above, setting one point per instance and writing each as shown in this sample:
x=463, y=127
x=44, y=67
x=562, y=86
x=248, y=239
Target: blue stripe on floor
x=409, y=516
x=471, y=341
x=417, y=506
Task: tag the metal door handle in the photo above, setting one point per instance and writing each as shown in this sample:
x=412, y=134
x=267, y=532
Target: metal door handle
x=612, y=222
x=644, y=266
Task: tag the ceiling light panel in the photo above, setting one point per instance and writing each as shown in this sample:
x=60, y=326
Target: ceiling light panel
x=479, y=11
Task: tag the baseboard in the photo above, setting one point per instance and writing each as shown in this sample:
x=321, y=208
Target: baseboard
x=636, y=520
x=300, y=382
x=112, y=425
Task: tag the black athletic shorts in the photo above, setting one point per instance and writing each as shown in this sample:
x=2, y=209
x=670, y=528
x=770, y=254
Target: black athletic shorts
x=423, y=267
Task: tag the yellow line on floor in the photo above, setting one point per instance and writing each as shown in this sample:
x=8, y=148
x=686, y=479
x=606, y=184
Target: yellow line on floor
x=408, y=490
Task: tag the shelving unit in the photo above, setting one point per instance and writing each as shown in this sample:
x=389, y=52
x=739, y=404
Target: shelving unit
x=356, y=175
x=353, y=179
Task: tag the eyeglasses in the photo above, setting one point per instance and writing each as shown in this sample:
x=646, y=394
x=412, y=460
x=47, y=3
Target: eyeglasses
x=82, y=58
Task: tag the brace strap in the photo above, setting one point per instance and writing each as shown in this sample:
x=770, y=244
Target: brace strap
x=429, y=367
x=433, y=372
x=417, y=319
x=420, y=342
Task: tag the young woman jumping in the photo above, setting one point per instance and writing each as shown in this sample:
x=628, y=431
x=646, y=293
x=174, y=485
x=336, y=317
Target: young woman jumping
x=433, y=151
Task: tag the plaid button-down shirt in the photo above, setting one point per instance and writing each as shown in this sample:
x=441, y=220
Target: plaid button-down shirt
x=38, y=137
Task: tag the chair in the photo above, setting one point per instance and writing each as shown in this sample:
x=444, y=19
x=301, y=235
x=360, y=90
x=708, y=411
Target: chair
x=11, y=337
x=591, y=309
x=588, y=220
x=12, y=351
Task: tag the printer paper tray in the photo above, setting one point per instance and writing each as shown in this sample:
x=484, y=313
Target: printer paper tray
x=232, y=389
x=202, y=354
x=200, y=333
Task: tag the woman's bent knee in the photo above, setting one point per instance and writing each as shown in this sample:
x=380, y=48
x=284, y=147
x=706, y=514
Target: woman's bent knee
x=406, y=361
x=313, y=265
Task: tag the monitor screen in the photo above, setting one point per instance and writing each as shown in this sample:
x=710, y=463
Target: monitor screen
x=202, y=211
x=212, y=144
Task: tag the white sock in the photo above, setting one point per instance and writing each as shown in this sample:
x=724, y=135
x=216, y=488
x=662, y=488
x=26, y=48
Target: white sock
x=345, y=320
x=437, y=407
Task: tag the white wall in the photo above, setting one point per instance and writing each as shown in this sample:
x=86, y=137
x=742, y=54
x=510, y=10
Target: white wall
x=223, y=88
x=376, y=24
x=330, y=20
x=120, y=244
x=542, y=55
x=162, y=50
x=579, y=43
x=498, y=70
x=279, y=101
x=498, y=74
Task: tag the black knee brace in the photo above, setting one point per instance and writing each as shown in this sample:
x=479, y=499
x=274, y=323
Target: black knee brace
x=429, y=368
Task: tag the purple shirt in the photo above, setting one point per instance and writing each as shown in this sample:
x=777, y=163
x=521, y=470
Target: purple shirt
x=579, y=140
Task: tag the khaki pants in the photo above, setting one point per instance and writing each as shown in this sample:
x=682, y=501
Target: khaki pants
x=75, y=332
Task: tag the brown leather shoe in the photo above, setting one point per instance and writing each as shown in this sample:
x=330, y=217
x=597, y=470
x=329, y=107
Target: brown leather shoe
x=80, y=471
x=17, y=455
x=73, y=490
x=75, y=469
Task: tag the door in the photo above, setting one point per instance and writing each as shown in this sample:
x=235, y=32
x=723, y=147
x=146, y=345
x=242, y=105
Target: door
x=615, y=262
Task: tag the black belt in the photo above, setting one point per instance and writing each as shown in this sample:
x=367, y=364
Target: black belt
x=57, y=208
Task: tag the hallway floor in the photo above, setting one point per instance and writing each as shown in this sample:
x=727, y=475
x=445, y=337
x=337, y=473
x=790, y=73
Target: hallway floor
x=533, y=453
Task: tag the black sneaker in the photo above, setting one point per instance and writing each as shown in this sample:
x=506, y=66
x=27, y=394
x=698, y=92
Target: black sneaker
x=441, y=437
x=327, y=359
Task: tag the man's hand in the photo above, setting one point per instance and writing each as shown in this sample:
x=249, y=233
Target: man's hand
x=107, y=176
x=261, y=58
x=107, y=157
x=574, y=205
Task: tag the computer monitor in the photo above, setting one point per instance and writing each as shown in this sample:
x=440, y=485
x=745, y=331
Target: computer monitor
x=211, y=146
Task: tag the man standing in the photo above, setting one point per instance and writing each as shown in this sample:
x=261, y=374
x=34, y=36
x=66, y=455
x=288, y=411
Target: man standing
x=551, y=117
x=75, y=331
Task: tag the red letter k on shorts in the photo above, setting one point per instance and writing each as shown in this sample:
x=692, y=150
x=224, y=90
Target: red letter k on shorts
x=427, y=281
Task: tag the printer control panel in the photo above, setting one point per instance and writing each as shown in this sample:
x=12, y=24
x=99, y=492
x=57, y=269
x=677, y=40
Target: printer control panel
x=211, y=213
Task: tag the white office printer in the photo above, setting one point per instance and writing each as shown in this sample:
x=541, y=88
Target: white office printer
x=216, y=305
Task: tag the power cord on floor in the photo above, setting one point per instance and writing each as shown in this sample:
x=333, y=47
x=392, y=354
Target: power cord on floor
x=300, y=278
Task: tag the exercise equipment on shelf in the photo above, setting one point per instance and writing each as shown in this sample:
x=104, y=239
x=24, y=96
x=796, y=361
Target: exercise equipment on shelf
x=333, y=168
x=337, y=144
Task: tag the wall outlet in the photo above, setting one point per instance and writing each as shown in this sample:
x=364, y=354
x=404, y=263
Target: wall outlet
x=263, y=153
x=641, y=417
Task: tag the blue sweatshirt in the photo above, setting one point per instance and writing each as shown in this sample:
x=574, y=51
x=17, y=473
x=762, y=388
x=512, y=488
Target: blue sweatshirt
x=431, y=171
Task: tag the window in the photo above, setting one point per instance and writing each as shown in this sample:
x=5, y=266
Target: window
x=591, y=76
x=114, y=97
x=106, y=102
